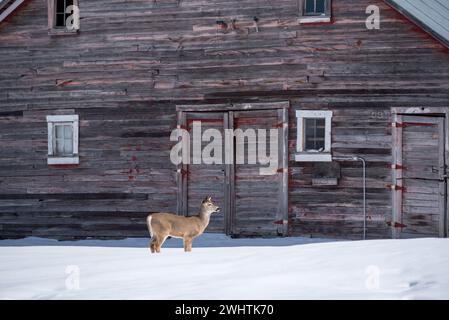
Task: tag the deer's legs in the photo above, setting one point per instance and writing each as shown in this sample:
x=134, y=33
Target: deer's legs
x=153, y=244
x=159, y=242
x=188, y=244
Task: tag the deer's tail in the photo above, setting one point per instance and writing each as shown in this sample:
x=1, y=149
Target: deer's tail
x=149, y=225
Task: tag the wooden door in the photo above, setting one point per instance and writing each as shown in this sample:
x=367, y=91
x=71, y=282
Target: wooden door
x=205, y=179
x=420, y=177
x=258, y=206
x=251, y=204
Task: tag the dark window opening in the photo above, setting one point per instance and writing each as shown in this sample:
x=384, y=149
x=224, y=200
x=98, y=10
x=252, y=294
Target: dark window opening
x=61, y=13
x=314, y=7
x=314, y=134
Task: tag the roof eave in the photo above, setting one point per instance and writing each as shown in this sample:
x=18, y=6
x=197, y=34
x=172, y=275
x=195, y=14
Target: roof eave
x=418, y=23
x=13, y=6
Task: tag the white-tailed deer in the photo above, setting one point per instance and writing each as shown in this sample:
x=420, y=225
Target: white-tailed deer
x=163, y=225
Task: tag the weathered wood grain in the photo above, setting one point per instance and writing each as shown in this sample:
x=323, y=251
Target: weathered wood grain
x=134, y=61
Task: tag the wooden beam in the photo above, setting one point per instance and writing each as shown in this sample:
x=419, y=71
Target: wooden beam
x=229, y=176
x=283, y=175
x=234, y=107
x=232, y=179
x=443, y=183
x=396, y=177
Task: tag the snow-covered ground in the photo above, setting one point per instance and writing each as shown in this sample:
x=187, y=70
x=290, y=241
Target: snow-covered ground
x=224, y=268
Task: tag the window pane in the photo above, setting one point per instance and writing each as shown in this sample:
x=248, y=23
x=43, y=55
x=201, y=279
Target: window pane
x=60, y=20
x=310, y=127
x=60, y=8
x=320, y=6
x=320, y=133
x=59, y=131
x=314, y=133
x=61, y=14
x=320, y=127
x=68, y=132
x=319, y=145
x=59, y=147
x=310, y=6
x=310, y=145
x=63, y=139
x=320, y=122
x=68, y=146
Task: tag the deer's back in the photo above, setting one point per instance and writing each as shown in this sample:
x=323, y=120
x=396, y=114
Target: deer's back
x=174, y=225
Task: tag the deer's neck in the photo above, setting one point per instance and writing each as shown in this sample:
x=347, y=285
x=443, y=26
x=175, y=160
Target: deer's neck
x=204, y=217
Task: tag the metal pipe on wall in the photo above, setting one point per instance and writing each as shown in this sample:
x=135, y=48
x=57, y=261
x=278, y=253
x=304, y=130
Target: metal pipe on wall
x=357, y=158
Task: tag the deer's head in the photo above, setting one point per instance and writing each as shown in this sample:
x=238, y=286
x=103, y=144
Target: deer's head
x=208, y=206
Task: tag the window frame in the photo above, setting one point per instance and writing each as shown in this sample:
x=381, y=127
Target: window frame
x=52, y=122
x=303, y=155
x=322, y=18
x=59, y=30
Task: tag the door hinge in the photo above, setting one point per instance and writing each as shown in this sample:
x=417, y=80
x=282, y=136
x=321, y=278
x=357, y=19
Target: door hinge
x=399, y=225
x=283, y=222
x=396, y=224
x=281, y=125
x=410, y=124
x=395, y=187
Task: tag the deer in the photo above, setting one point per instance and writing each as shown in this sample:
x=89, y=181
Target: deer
x=162, y=225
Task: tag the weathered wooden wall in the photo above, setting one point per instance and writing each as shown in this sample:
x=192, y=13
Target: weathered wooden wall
x=123, y=175
x=134, y=60
x=337, y=210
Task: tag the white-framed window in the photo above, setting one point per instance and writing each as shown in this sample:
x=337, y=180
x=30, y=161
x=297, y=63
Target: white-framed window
x=63, y=139
x=313, y=142
x=63, y=17
x=313, y=11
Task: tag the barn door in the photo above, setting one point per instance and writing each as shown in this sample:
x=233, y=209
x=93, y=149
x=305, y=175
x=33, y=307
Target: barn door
x=258, y=207
x=420, y=177
x=205, y=179
x=251, y=204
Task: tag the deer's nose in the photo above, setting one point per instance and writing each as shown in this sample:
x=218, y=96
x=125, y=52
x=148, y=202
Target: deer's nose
x=218, y=209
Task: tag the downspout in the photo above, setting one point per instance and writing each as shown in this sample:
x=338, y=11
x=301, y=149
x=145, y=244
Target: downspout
x=357, y=158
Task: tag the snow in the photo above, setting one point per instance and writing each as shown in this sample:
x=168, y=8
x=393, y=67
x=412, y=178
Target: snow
x=224, y=268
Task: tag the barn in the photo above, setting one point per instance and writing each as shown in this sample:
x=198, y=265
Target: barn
x=356, y=91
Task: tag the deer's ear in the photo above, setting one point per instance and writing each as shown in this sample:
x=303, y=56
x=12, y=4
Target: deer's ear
x=205, y=200
x=209, y=198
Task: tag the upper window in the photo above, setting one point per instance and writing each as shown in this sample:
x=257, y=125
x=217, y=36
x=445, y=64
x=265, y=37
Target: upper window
x=62, y=12
x=63, y=16
x=313, y=135
x=314, y=11
x=62, y=139
x=314, y=7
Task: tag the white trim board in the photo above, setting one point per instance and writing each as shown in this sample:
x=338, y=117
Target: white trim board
x=63, y=160
x=63, y=118
x=312, y=19
x=313, y=157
